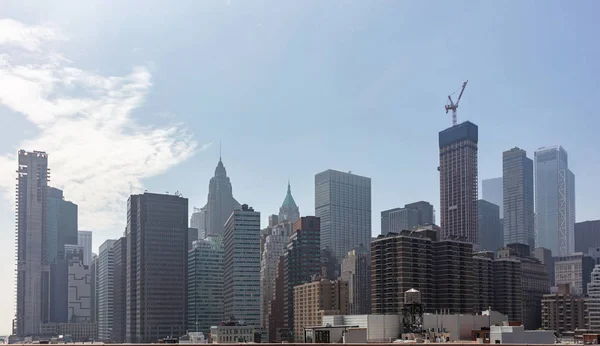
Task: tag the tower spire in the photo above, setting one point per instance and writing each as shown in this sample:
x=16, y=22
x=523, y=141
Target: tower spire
x=289, y=187
x=219, y=150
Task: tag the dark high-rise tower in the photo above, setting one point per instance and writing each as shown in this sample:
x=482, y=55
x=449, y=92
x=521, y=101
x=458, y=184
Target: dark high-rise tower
x=458, y=181
x=220, y=203
x=517, y=173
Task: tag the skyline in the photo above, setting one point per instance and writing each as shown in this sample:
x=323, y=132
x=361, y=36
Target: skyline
x=346, y=92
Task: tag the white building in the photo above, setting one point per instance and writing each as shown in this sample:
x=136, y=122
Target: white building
x=84, y=238
x=105, y=289
x=518, y=335
x=380, y=328
x=232, y=333
x=458, y=326
x=593, y=301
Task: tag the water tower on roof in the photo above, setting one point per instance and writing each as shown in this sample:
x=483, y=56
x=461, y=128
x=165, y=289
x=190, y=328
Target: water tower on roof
x=412, y=312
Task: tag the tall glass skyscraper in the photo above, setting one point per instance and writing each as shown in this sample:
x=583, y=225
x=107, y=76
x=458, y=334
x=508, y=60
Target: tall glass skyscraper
x=517, y=173
x=554, y=201
x=343, y=203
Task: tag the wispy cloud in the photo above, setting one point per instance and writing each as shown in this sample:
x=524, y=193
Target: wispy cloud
x=97, y=153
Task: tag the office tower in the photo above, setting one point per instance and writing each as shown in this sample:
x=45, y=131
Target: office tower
x=483, y=270
x=545, y=257
x=119, y=290
x=301, y=261
x=535, y=282
x=426, y=212
x=93, y=288
x=220, y=203
x=272, y=249
x=519, y=224
x=61, y=223
x=491, y=234
x=587, y=235
x=329, y=265
x=343, y=203
x=575, y=270
x=79, y=285
x=315, y=299
x=192, y=236
x=198, y=221
x=157, y=232
x=507, y=298
x=32, y=268
x=563, y=312
x=356, y=271
x=205, y=284
x=403, y=218
x=593, y=301
x=492, y=191
x=458, y=182
x=289, y=211
x=392, y=256
x=554, y=201
x=241, y=264
x=59, y=290
x=453, y=275
x=277, y=332
x=84, y=238
x=106, y=271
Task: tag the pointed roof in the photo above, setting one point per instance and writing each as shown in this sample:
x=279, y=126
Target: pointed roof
x=289, y=202
x=220, y=170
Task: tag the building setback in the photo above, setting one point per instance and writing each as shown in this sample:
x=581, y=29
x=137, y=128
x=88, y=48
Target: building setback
x=119, y=290
x=157, y=233
x=458, y=182
x=32, y=293
x=205, y=284
x=105, y=291
x=491, y=234
x=587, y=235
x=554, y=201
x=519, y=223
x=356, y=271
x=241, y=265
x=343, y=203
x=563, y=312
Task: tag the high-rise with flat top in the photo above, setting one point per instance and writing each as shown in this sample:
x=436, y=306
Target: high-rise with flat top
x=33, y=280
x=106, y=289
x=458, y=182
x=554, y=201
x=343, y=203
x=519, y=224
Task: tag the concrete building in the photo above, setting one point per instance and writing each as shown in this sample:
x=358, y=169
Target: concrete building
x=198, y=221
x=412, y=215
x=119, y=290
x=220, y=203
x=492, y=191
x=343, y=203
x=61, y=223
x=563, y=312
x=587, y=234
x=490, y=232
x=330, y=268
x=277, y=332
x=593, y=301
x=545, y=256
x=157, y=232
x=483, y=271
x=32, y=291
x=241, y=265
x=316, y=299
x=459, y=182
x=233, y=332
x=554, y=201
x=453, y=275
x=575, y=270
x=84, y=238
x=301, y=261
x=356, y=271
x=458, y=327
x=79, y=332
x=426, y=212
x=508, y=292
x=79, y=293
x=105, y=289
x=205, y=284
x=380, y=328
x=507, y=334
x=518, y=219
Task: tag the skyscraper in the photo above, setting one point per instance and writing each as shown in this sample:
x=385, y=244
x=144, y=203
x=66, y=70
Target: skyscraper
x=458, y=181
x=220, y=203
x=241, y=265
x=426, y=212
x=491, y=234
x=587, y=235
x=356, y=271
x=554, y=201
x=492, y=191
x=119, y=290
x=32, y=267
x=84, y=238
x=289, y=211
x=105, y=291
x=62, y=224
x=157, y=232
x=593, y=302
x=343, y=204
x=517, y=174
x=198, y=221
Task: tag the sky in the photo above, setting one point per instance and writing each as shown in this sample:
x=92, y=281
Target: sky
x=137, y=95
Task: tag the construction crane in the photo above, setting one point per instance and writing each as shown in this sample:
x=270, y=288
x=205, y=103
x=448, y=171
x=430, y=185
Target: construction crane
x=452, y=106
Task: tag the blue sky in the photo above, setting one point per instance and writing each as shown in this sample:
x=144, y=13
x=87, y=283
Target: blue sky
x=291, y=89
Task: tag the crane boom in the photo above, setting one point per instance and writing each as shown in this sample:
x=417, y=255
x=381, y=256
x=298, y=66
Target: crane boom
x=454, y=106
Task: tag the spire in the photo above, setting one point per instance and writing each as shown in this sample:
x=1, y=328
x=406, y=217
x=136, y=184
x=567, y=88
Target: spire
x=289, y=191
x=220, y=170
x=289, y=202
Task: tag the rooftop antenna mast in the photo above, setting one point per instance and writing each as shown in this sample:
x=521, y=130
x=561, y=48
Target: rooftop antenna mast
x=452, y=106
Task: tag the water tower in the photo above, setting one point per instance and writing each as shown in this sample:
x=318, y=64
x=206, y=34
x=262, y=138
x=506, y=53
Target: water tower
x=412, y=312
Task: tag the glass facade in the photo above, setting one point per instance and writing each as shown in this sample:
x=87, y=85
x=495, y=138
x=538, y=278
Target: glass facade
x=519, y=223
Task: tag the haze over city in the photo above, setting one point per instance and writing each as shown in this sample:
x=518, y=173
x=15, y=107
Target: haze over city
x=140, y=96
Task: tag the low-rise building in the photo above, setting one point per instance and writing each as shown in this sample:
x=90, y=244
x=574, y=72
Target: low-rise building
x=233, y=332
x=380, y=328
x=563, y=312
x=79, y=332
x=507, y=334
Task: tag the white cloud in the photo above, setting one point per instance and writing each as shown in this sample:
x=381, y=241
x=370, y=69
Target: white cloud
x=97, y=153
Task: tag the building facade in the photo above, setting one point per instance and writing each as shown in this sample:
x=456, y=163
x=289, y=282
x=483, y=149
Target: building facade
x=343, y=204
x=453, y=275
x=492, y=191
x=61, y=223
x=587, y=235
x=84, y=238
x=563, y=312
x=198, y=221
x=575, y=270
x=491, y=234
x=32, y=291
x=157, y=232
x=483, y=270
x=220, y=203
x=554, y=201
x=412, y=215
x=205, y=284
x=545, y=257
x=119, y=290
x=241, y=265
x=79, y=292
x=105, y=289
x=426, y=212
x=593, y=301
x=356, y=271
x=459, y=182
x=508, y=291
x=519, y=224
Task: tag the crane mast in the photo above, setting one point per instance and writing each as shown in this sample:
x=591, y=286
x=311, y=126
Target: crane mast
x=454, y=106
